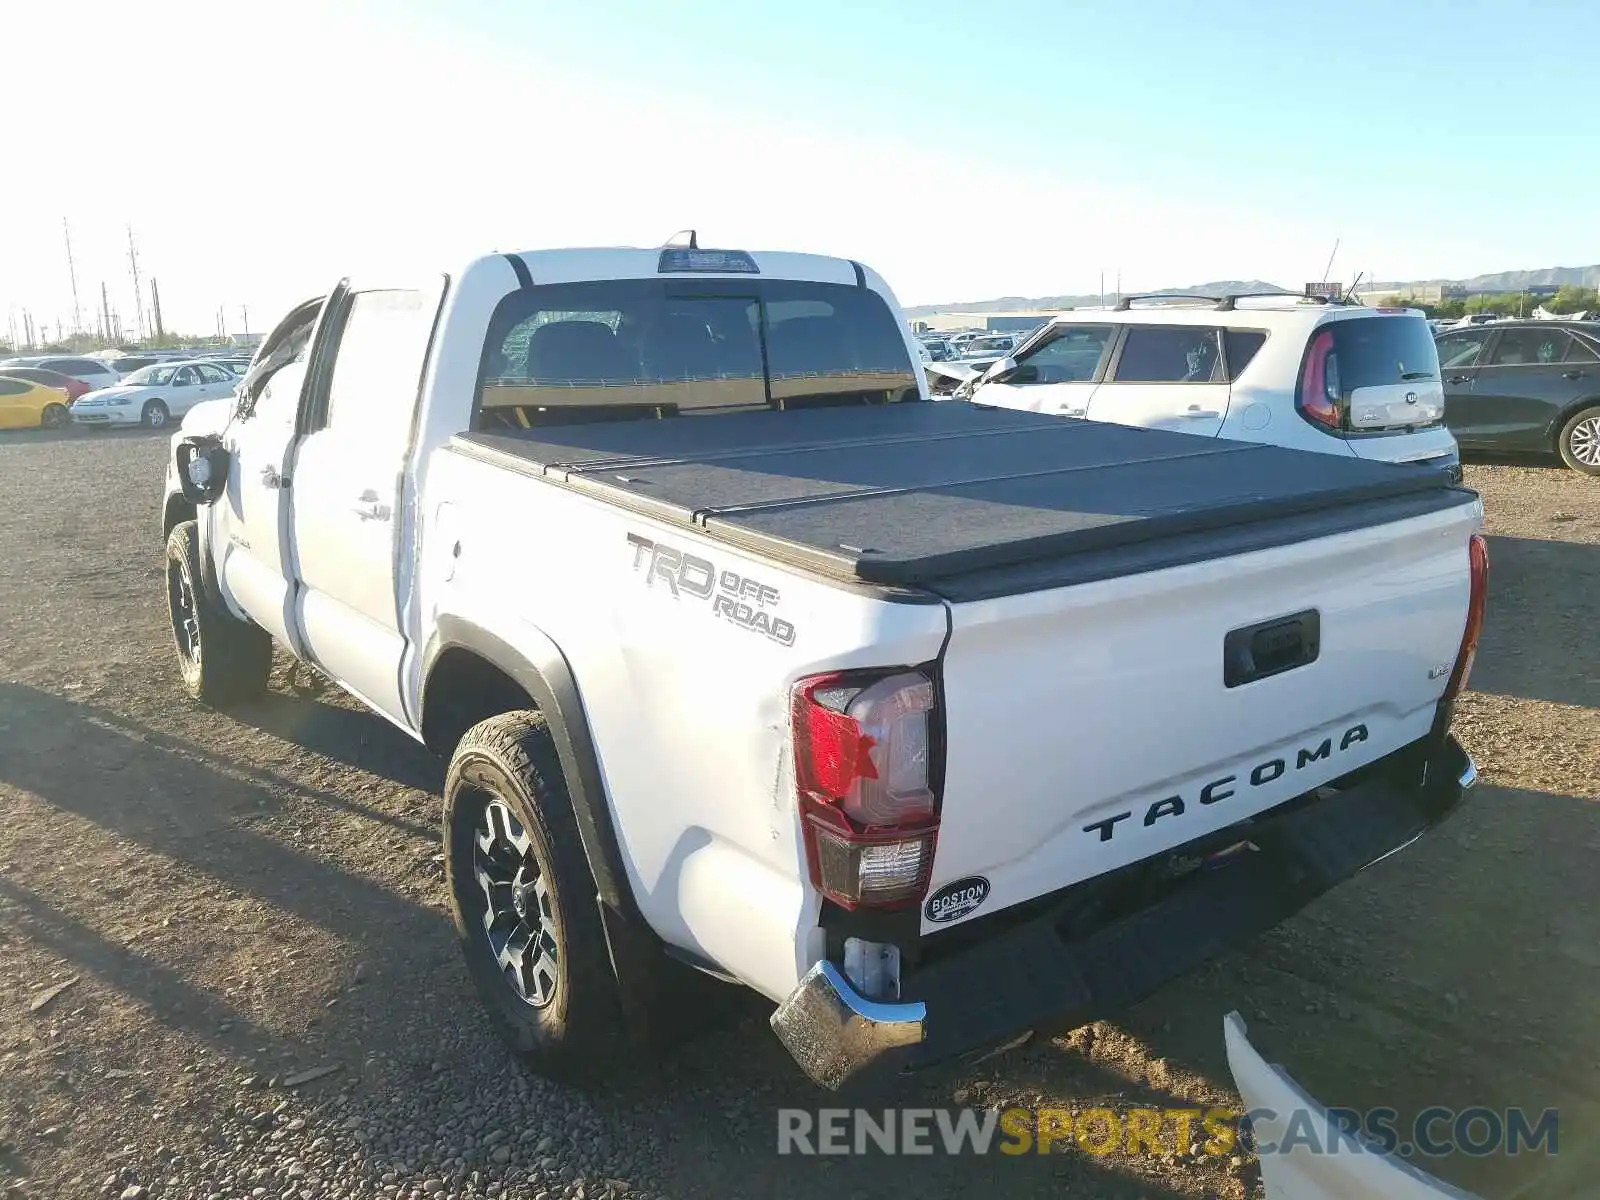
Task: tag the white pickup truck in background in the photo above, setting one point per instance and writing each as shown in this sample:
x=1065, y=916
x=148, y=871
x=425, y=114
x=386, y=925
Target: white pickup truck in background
x=929, y=722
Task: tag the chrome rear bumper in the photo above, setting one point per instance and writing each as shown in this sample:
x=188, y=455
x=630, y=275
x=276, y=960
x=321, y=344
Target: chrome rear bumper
x=833, y=1031
x=1028, y=975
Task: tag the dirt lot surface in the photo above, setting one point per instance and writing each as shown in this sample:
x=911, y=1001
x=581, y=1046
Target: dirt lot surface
x=198, y=911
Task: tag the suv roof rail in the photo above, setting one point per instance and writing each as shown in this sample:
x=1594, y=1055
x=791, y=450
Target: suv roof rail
x=1124, y=303
x=1231, y=301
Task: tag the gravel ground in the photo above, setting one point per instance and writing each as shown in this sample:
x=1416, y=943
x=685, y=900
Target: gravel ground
x=226, y=968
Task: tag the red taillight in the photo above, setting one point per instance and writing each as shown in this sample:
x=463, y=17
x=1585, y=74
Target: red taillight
x=863, y=765
x=1478, y=560
x=1319, y=399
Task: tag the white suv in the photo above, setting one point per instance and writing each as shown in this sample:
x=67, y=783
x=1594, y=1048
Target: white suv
x=1304, y=373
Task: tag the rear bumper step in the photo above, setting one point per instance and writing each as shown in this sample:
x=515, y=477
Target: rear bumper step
x=1029, y=976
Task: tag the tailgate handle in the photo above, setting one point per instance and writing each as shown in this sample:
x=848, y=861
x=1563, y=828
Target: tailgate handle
x=1271, y=647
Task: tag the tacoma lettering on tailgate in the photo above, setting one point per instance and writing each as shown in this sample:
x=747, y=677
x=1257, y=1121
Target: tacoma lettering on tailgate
x=736, y=598
x=1220, y=789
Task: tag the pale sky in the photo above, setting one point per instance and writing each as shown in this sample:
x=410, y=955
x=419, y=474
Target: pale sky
x=262, y=151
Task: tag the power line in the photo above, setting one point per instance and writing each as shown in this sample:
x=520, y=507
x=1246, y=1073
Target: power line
x=72, y=271
x=138, y=293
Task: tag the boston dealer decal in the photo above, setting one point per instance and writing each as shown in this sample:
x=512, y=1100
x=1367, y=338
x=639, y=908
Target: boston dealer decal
x=957, y=899
x=738, y=599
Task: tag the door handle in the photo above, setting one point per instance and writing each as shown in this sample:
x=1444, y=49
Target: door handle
x=1573, y=374
x=1459, y=379
x=271, y=479
x=1196, y=414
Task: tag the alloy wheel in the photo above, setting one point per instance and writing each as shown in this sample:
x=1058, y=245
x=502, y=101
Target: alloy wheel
x=519, y=916
x=1584, y=442
x=185, y=621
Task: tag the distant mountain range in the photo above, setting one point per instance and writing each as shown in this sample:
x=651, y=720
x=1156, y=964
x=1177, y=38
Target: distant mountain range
x=1502, y=281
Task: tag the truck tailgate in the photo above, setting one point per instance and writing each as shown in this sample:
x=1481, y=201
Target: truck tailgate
x=1093, y=725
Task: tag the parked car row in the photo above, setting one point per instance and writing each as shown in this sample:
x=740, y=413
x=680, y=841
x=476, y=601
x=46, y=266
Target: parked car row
x=1286, y=371
x=1290, y=371
x=51, y=391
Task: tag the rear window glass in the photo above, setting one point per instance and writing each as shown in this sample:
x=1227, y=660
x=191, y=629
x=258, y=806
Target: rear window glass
x=1379, y=350
x=1242, y=345
x=640, y=348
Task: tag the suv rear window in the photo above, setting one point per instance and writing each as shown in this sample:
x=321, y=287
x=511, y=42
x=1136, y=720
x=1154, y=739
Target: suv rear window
x=1377, y=350
x=642, y=348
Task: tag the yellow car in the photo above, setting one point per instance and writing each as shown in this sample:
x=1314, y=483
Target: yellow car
x=28, y=405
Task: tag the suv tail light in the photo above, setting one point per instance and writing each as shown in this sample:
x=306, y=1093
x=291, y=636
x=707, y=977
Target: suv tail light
x=1319, y=399
x=1478, y=558
x=865, y=770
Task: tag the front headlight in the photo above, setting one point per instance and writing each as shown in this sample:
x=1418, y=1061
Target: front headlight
x=119, y=400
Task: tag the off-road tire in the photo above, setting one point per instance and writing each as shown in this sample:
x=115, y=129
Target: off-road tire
x=233, y=657
x=1578, y=443
x=511, y=759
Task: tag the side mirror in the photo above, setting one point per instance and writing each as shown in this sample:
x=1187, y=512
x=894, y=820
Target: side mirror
x=202, y=468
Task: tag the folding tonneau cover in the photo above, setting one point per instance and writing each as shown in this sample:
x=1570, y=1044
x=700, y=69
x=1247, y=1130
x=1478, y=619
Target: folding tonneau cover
x=962, y=499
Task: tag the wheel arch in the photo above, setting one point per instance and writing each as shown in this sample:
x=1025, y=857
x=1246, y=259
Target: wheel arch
x=470, y=674
x=1553, y=432
x=175, y=512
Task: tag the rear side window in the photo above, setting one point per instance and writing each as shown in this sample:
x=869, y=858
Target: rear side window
x=14, y=387
x=378, y=364
x=642, y=348
x=1529, y=347
x=1377, y=351
x=1582, y=351
x=1241, y=345
x=78, y=366
x=1169, y=354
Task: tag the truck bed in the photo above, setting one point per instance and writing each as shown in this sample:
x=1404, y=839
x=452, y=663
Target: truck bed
x=963, y=500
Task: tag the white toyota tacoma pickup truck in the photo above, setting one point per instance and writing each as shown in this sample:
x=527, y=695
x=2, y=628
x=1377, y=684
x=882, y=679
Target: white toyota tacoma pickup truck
x=931, y=723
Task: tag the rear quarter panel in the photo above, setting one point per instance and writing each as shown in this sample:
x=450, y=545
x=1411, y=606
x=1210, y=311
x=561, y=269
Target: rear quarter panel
x=689, y=710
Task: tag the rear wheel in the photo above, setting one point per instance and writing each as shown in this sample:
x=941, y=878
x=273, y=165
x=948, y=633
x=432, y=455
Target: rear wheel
x=524, y=898
x=1579, y=441
x=55, y=416
x=221, y=659
x=155, y=415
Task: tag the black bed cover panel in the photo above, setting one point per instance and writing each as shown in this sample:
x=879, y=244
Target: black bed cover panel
x=916, y=493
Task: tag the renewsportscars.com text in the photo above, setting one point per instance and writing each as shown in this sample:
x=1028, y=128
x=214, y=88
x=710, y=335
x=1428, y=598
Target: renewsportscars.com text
x=1433, y=1132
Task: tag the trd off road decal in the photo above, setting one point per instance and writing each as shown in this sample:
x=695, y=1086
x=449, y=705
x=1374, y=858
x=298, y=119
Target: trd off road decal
x=746, y=602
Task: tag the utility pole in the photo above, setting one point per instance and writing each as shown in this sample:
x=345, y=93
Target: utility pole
x=155, y=310
x=138, y=292
x=105, y=313
x=72, y=271
x=245, y=310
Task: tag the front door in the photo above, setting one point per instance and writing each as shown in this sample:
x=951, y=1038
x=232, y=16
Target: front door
x=1524, y=384
x=248, y=530
x=250, y=521
x=1166, y=377
x=1057, y=374
x=348, y=503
